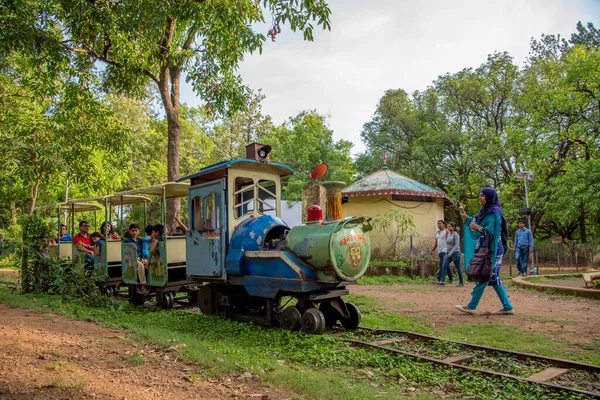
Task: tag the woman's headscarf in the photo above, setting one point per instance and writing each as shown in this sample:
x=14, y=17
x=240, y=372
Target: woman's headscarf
x=492, y=206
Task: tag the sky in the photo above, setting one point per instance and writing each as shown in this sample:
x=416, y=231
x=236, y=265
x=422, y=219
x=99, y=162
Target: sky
x=377, y=45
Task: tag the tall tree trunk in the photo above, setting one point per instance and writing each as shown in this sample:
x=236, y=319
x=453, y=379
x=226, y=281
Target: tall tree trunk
x=173, y=205
x=535, y=220
x=170, y=97
x=582, y=232
x=34, y=192
x=13, y=212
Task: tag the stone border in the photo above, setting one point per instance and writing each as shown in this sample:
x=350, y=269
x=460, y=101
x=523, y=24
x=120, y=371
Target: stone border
x=542, y=286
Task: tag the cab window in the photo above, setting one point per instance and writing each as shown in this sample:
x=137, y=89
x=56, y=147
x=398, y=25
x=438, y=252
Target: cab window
x=197, y=214
x=267, y=197
x=244, y=196
x=213, y=211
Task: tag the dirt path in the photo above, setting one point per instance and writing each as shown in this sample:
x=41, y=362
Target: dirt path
x=571, y=318
x=44, y=356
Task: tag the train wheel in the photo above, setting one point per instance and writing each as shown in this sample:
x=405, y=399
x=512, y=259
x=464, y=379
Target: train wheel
x=136, y=298
x=331, y=314
x=290, y=319
x=353, y=321
x=168, y=300
x=193, y=295
x=313, y=321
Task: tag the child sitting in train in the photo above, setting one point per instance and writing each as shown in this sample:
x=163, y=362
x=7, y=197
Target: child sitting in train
x=108, y=231
x=141, y=245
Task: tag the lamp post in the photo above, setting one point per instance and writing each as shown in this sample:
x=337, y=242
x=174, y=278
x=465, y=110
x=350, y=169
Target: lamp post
x=527, y=176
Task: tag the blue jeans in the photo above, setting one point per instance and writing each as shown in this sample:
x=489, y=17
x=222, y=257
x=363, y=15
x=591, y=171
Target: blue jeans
x=446, y=267
x=496, y=284
x=522, y=258
x=442, y=256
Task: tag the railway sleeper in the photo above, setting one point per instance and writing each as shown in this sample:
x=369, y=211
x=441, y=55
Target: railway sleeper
x=548, y=374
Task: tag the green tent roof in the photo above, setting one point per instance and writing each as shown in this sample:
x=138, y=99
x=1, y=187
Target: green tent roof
x=385, y=182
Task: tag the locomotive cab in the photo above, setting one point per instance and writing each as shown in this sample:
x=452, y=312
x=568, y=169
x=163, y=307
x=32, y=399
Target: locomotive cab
x=221, y=198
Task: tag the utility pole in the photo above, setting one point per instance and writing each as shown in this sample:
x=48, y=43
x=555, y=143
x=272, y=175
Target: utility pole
x=527, y=176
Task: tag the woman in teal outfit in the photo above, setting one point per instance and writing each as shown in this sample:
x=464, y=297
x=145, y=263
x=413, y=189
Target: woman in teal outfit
x=490, y=218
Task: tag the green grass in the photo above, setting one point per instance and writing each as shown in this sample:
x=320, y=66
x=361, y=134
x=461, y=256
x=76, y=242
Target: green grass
x=135, y=359
x=389, y=263
x=313, y=367
x=551, y=278
x=392, y=280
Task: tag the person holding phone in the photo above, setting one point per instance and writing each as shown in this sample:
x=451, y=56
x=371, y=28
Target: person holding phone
x=490, y=218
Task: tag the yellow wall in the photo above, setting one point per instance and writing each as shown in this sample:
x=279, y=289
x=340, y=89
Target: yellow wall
x=425, y=215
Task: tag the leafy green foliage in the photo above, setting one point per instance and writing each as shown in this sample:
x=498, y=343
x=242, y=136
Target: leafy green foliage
x=33, y=251
x=303, y=142
x=139, y=44
x=479, y=127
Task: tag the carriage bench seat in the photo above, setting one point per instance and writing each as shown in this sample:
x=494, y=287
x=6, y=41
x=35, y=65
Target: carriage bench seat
x=175, y=249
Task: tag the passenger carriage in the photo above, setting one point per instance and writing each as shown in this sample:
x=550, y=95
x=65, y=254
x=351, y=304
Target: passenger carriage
x=108, y=263
x=167, y=272
x=64, y=251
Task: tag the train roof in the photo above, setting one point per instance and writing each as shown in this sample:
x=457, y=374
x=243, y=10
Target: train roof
x=171, y=189
x=281, y=169
x=113, y=199
x=78, y=207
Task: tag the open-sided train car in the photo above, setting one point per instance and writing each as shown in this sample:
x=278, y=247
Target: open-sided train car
x=64, y=251
x=250, y=262
x=167, y=269
x=108, y=262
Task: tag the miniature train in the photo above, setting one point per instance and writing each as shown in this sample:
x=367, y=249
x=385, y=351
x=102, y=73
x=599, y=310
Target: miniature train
x=239, y=260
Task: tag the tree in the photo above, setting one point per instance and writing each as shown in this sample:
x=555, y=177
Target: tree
x=42, y=136
x=561, y=85
x=303, y=142
x=455, y=135
x=233, y=133
x=478, y=127
x=138, y=42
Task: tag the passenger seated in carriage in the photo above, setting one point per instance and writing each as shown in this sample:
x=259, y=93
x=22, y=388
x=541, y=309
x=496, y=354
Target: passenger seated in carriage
x=141, y=245
x=108, y=231
x=62, y=236
x=83, y=243
x=181, y=229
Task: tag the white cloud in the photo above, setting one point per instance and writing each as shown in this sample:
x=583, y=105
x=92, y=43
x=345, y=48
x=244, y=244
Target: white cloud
x=378, y=45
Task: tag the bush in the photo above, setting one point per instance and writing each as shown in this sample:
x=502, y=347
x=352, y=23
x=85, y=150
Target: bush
x=39, y=274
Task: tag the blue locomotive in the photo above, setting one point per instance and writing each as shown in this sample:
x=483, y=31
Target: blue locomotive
x=249, y=265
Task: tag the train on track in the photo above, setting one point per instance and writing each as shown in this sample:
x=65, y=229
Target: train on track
x=238, y=258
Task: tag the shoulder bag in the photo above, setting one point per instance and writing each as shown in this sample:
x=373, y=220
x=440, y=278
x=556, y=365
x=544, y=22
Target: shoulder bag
x=480, y=267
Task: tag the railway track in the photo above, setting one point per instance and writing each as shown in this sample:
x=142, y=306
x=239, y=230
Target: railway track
x=552, y=373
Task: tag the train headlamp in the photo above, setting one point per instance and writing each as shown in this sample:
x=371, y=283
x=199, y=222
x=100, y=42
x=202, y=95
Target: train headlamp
x=264, y=151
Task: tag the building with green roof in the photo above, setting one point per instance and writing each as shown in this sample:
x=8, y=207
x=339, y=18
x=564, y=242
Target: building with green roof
x=386, y=190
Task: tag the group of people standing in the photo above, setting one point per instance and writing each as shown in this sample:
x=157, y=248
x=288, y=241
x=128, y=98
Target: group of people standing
x=447, y=243
x=490, y=218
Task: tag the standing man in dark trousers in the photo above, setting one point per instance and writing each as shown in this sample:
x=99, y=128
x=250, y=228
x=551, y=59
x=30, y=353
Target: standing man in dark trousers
x=523, y=247
x=440, y=245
